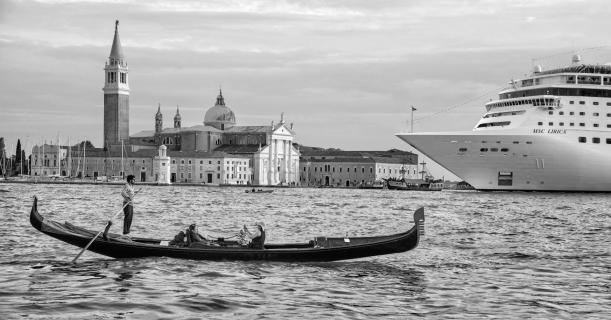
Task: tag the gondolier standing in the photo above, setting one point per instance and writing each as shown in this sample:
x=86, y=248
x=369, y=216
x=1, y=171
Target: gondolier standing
x=128, y=194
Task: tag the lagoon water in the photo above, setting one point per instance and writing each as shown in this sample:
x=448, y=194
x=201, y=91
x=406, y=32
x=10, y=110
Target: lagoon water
x=485, y=255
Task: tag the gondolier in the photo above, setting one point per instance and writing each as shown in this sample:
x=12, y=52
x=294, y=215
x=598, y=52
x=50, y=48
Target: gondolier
x=128, y=194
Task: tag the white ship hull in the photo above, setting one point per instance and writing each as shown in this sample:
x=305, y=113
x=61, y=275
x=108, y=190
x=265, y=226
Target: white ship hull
x=542, y=161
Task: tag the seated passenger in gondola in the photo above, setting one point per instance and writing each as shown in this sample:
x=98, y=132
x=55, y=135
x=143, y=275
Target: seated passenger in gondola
x=192, y=235
x=254, y=239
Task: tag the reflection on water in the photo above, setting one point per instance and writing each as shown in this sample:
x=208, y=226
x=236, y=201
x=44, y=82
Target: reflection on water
x=504, y=255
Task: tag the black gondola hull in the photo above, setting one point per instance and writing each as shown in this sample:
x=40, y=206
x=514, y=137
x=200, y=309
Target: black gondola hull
x=323, y=249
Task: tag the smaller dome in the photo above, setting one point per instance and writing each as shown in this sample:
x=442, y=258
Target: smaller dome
x=219, y=116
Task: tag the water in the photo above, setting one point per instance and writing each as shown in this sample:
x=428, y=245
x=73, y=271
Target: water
x=485, y=255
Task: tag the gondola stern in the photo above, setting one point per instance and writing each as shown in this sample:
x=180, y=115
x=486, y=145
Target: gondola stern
x=419, y=221
x=35, y=217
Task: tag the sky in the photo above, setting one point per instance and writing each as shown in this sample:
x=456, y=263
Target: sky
x=345, y=73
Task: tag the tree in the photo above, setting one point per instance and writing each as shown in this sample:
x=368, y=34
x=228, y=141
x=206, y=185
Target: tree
x=24, y=162
x=85, y=143
x=2, y=156
x=18, y=152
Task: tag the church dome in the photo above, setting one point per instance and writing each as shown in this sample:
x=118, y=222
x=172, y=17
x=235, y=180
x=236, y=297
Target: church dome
x=219, y=116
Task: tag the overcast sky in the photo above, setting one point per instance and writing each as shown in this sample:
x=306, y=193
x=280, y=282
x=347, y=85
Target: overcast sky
x=344, y=72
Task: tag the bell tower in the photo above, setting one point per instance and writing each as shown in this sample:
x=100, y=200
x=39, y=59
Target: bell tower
x=177, y=119
x=116, y=95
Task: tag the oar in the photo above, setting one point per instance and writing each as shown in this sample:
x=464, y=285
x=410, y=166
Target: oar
x=105, y=229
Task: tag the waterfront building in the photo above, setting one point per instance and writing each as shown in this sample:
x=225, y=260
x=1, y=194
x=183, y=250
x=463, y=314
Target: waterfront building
x=217, y=152
x=355, y=169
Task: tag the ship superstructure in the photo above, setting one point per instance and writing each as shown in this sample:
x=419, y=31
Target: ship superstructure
x=550, y=131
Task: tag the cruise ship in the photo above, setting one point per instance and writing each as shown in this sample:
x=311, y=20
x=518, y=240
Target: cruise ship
x=550, y=131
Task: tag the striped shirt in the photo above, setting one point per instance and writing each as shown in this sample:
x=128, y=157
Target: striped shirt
x=128, y=193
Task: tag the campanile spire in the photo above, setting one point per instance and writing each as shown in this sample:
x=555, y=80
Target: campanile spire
x=116, y=94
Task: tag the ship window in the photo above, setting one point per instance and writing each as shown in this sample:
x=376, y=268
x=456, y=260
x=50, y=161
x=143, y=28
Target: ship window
x=516, y=142
x=551, y=123
x=596, y=140
x=572, y=113
x=608, y=141
x=572, y=124
x=571, y=102
x=505, y=178
x=582, y=113
x=540, y=123
x=494, y=149
x=551, y=112
x=608, y=103
x=483, y=150
x=595, y=125
x=561, y=124
x=608, y=125
x=595, y=103
x=608, y=114
x=596, y=114
x=582, y=139
x=529, y=142
x=462, y=150
x=581, y=124
x=561, y=113
x=504, y=149
x=582, y=102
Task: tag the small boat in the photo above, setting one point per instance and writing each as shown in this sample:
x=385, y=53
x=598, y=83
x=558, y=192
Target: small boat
x=318, y=249
x=259, y=191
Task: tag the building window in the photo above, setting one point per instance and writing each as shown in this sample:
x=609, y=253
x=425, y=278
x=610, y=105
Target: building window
x=550, y=112
x=595, y=125
x=595, y=140
x=561, y=124
x=189, y=161
x=462, y=150
x=608, y=140
x=582, y=113
x=483, y=150
x=595, y=103
x=596, y=114
x=561, y=113
x=201, y=161
x=581, y=124
x=582, y=139
x=572, y=124
x=571, y=113
x=571, y=102
x=582, y=102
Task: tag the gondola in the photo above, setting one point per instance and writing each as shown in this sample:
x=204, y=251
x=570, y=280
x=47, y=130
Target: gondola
x=318, y=249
